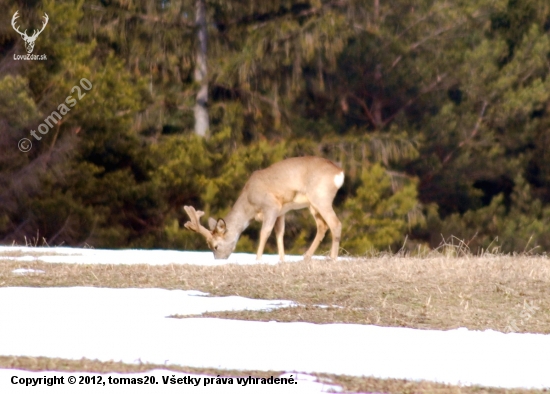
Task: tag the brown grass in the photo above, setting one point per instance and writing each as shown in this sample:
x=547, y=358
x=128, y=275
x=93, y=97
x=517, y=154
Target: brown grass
x=506, y=293
x=84, y=364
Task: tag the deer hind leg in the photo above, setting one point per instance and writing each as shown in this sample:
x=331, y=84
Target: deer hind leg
x=327, y=213
x=269, y=219
x=335, y=228
x=321, y=231
x=279, y=233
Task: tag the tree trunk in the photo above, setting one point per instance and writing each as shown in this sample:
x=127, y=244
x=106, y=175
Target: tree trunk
x=202, y=122
x=376, y=108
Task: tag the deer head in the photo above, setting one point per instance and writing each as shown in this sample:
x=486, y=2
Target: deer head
x=29, y=41
x=215, y=237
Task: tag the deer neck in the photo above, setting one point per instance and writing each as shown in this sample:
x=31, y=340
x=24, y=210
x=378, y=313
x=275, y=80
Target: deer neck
x=239, y=217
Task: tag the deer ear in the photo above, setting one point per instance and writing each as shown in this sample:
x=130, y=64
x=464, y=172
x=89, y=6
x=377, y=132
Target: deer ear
x=212, y=224
x=221, y=228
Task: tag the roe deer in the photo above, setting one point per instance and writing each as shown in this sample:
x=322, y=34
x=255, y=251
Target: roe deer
x=296, y=183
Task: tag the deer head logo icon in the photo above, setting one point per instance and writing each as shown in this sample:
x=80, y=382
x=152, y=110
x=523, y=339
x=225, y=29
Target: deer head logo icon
x=29, y=41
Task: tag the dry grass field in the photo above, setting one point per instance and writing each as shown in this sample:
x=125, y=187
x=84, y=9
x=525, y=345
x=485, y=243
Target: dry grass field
x=499, y=292
x=504, y=293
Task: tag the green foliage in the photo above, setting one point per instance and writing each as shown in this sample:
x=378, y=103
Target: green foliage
x=438, y=103
x=521, y=225
x=189, y=171
x=380, y=212
x=17, y=107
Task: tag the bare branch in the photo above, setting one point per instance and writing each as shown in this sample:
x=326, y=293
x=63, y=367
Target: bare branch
x=365, y=108
x=472, y=135
x=427, y=89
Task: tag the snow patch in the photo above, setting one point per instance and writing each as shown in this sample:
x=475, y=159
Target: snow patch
x=134, y=256
x=23, y=271
x=130, y=325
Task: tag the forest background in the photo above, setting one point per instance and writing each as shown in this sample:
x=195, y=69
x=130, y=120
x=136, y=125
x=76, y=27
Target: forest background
x=438, y=111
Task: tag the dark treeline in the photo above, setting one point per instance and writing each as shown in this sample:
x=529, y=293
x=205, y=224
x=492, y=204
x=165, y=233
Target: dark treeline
x=438, y=110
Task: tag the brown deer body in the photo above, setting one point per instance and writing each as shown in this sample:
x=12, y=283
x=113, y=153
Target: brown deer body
x=296, y=183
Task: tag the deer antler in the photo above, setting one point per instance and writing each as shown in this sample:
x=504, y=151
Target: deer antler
x=195, y=224
x=46, y=19
x=36, y=32
x=16, y=28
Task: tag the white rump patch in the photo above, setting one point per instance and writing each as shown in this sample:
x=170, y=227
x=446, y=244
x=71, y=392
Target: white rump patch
x=339, y=180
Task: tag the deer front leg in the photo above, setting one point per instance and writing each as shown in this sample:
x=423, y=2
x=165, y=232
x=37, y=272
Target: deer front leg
x=279, y=233
x=267, y=227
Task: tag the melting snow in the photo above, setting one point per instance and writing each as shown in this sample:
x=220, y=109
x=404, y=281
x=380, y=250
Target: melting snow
x=23, y=271
x=132, y=325
x=131, y=256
